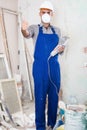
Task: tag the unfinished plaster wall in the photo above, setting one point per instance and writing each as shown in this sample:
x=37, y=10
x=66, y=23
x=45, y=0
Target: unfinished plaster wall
x=75, y=74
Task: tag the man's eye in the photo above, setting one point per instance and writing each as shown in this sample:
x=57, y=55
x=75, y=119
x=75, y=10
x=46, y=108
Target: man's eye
x=48, y=12
x=43, y=12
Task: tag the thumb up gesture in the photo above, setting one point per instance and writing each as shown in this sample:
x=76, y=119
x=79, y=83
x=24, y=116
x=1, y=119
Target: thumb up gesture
x=24, y=25
x=24, y=28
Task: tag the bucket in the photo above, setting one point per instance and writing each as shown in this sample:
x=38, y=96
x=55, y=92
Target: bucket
x=75, y=120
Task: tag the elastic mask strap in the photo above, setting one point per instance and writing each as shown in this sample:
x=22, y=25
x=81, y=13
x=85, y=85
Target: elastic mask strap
x=53, y=30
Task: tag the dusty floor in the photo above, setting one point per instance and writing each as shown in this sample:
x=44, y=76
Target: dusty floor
x=28, y=107
x=29, y=110
x=25, y=120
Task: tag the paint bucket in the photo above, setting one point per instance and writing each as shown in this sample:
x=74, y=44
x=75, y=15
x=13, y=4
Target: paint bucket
x=75, y=120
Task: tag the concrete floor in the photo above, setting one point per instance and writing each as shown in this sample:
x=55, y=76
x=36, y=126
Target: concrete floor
x=25, y=119
x=29, y=110
x=28, y=107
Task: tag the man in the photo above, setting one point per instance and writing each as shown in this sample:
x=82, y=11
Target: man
x=46, y=69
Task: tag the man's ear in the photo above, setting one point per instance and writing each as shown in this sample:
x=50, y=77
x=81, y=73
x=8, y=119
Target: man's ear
x=40, y=14
x=51, y=13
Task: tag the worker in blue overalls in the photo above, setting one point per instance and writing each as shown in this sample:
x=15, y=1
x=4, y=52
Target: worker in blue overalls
x=46, y=68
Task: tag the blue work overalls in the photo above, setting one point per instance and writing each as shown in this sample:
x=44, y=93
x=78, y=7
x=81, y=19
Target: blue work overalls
x=43, y=85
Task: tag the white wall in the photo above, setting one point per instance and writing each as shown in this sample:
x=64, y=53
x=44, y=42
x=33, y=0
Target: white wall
x=70, y=16
x=9, y=4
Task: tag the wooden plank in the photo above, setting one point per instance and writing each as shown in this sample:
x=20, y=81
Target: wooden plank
x=23, y=60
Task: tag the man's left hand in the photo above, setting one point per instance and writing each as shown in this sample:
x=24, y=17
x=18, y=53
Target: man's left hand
x=60, y=48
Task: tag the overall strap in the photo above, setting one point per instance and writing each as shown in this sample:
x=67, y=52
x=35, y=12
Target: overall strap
x=40, y=28
x=52, y=28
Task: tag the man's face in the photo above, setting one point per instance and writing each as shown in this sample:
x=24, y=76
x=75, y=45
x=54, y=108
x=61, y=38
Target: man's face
x=46, y=13
x=43, y=11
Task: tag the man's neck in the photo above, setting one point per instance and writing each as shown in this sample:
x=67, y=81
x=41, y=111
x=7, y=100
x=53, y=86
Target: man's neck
x=46, y=25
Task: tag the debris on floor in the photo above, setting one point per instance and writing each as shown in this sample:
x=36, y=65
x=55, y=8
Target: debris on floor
x=60, y=127
x=21, y=121
x=71, y=117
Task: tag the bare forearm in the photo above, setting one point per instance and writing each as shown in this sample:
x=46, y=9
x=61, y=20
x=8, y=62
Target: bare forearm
x=25, y=33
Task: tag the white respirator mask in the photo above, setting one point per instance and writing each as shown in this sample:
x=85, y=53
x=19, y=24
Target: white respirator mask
x=46, y=18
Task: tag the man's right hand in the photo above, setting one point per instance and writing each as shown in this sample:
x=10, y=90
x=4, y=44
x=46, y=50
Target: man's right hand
x=24, y=28
x=24, y=25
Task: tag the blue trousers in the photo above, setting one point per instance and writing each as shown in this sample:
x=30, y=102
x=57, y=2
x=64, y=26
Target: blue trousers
x=44, y=87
